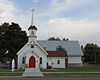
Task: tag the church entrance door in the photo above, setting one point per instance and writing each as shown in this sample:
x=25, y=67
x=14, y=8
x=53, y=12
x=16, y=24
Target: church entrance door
x=32, y=62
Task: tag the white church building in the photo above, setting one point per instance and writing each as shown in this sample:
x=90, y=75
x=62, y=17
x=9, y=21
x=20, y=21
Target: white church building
x=43, y=53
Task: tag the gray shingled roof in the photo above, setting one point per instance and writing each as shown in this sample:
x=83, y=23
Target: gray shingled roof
x=72, y=47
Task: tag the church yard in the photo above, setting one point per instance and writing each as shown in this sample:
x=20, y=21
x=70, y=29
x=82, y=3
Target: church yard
x=85, y=70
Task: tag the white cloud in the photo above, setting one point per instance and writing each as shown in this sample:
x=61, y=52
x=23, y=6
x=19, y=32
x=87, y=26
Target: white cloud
x=63, y=3
x=67, y=3
x=83, y=29
x=6, y=10
x=7, y=14
x=58, y=6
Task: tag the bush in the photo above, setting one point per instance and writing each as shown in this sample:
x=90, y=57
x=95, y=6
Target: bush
x=49, y=67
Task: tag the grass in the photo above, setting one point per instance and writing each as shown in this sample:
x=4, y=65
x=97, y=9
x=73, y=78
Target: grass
x=10, y=74
x=72, y=74
x=85, y=68
x=9, y=70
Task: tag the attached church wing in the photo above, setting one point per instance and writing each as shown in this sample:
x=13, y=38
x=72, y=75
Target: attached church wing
x=72, y=47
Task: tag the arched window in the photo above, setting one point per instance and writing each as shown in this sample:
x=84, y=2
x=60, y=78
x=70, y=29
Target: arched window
x=32, y=46
x=58, y=61
x=40, y=60
x=23, y=60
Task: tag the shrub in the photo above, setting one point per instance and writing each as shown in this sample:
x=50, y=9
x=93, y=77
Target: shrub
x=49, y=67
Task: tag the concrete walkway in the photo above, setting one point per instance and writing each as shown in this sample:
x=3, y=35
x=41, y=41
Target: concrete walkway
x=32, y=72
x=54, y=72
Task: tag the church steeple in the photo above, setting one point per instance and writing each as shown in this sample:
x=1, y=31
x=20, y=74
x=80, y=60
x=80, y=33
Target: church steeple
x=32, y=16
x=32, y=23
x=32, y=29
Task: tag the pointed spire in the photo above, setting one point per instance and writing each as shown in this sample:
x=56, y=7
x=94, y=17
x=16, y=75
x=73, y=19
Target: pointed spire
x=32, y=16
x=32, y=24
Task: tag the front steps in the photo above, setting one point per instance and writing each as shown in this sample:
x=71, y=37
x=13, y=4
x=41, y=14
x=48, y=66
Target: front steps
x=32, y=72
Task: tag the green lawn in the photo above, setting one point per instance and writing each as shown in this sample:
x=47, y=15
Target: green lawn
x=72, y=74
x=9, y=70
x=10, y=74
x=85, y=68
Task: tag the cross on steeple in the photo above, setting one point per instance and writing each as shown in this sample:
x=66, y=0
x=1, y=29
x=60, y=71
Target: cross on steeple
x=32, y=16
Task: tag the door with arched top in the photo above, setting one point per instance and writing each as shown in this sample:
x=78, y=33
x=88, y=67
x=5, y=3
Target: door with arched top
x=32, y=62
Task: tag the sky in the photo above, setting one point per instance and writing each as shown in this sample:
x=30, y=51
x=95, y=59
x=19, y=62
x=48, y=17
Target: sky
x=72, y=19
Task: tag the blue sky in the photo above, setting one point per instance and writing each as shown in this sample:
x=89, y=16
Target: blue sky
x=73, y=19
x=87, y=9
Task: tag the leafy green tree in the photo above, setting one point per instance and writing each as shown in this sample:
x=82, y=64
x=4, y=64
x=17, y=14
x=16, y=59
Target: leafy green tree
x=12, y=39
x=64, y=39
x=97, y=61
x=60, y=48
x=89, y=52
x=53, y=38
x=57, y=39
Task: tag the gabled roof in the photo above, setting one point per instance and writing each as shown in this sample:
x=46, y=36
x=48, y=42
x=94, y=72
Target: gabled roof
x=32, y=51
x=72, y=47
x=24, y=48
x=32, y=27
x=56, y=54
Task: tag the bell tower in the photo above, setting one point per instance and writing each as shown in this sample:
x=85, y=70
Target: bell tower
x=32, y=30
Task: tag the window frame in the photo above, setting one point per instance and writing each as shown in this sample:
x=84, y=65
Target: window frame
x=40, y=60
x=23, y=60
x=58, y=61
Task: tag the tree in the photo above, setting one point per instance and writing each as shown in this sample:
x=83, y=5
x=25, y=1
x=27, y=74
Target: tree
x=57, y=39
x=53, y=38
x=12, y=39
x=89, y=52
x=60, y=48
x=64, y=39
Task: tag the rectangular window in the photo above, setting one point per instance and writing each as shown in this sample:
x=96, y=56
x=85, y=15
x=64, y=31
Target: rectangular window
x=58, y=61
x=23, y=60
x=40, y=60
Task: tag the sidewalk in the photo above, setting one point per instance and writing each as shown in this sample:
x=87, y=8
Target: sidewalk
x=11, y=76
x=54, y=72
x=69, y=72
x=32, y=72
